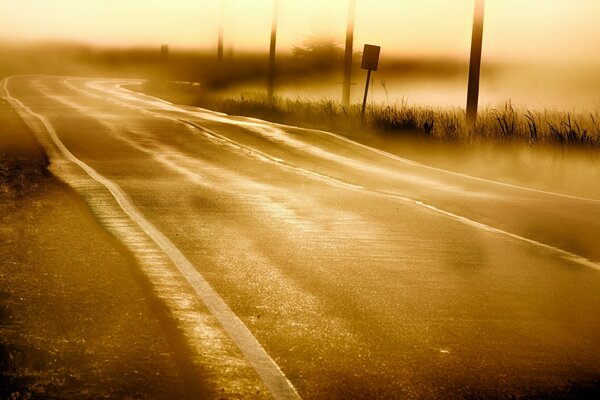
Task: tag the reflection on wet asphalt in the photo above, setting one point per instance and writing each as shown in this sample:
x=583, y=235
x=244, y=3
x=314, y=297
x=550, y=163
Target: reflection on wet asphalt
x=361, y=274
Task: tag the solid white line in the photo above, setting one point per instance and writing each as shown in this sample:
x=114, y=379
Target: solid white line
x=268, y=370
x=257, y=153
x=384, y=153
x=572, y=257
x=459, y=174
x=567, y=255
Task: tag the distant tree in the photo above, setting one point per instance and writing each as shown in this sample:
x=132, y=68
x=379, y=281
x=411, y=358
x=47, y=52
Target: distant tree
x=319, y=53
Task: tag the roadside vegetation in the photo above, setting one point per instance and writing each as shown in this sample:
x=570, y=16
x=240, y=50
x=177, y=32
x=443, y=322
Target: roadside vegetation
x=502, y=124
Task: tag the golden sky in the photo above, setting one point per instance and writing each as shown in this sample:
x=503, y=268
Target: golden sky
x=535, y=30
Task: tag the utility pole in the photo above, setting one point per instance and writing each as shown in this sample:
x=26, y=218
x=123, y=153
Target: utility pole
x=271, y=79
x=475, y=64
x=220, y=39
x=164, y=52
x=348, y=53
x=164, y=60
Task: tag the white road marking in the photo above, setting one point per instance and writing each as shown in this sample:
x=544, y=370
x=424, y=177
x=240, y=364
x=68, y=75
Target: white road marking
x=563, y=253
x=459, y=174
x=375, y=150
x=268, y=370
x=569, y=256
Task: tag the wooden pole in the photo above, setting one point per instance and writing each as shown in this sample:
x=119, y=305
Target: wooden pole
x=475, y=64
x=273, y=46
x=364, y=104
x=164, y=59
x=221, y=34
x=164, y=52
x=348, y=53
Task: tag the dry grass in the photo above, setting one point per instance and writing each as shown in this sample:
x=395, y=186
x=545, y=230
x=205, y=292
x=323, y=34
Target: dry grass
x=503, y=124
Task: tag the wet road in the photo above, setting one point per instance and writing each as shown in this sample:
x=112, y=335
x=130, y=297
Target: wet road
x=298, y=262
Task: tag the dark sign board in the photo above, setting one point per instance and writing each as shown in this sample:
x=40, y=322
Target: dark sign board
x=370, y=59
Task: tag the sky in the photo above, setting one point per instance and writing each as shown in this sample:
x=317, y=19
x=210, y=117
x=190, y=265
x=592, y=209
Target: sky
x=558, y=31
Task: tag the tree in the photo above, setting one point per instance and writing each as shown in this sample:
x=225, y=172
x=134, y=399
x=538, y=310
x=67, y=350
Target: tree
x=322, y=54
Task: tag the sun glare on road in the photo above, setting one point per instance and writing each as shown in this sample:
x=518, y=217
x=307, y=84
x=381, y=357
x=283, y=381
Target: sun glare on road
x=339, y=199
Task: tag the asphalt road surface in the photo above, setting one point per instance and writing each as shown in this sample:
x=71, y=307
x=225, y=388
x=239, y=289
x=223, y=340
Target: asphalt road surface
x=301, y=264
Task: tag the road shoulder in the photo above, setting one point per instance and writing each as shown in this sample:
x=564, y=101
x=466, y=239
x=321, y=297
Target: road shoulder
x=75, y=318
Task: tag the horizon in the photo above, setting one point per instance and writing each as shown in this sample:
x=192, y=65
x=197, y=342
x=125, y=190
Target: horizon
x=54, y=44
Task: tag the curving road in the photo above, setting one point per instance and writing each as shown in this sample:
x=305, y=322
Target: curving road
x=298, y=263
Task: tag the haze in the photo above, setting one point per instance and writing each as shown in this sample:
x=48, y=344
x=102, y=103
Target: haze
x=555, y=31
x=186, y=218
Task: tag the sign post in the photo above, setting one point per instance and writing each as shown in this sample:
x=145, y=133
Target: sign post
x=370, y=62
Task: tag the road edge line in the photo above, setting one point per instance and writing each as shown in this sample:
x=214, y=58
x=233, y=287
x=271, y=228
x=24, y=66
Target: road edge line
x=267, y=369
x=565, y=254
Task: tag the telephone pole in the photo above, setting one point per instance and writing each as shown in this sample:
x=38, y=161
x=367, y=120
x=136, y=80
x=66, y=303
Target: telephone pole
x=475, y=64
x=271, y=79
x=348, y=53
x=221, y=33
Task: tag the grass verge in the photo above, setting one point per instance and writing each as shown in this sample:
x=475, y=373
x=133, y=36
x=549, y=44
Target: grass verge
x=494, y=125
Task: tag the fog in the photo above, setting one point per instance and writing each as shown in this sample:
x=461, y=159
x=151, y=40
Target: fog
x=522, y=30
x=536, y=55
x=425, y=81
x=312, y=69
x=388, y=248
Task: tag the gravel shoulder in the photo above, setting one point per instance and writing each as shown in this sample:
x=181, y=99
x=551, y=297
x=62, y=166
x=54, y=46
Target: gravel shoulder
x=77, y=319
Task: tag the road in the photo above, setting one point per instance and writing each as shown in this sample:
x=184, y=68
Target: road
x=299, y=263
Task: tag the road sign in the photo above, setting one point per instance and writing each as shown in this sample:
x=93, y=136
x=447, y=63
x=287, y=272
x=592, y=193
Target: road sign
x=370, y=59
x=370, y=62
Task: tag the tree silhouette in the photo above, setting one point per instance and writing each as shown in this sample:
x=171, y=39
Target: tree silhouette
x=318, y=53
